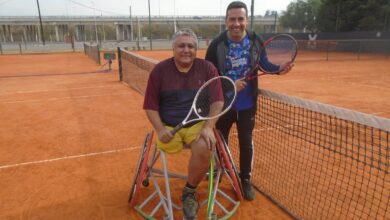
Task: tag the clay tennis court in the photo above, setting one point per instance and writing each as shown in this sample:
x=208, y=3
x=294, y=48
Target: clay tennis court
x=71, y=133
x=361, y=85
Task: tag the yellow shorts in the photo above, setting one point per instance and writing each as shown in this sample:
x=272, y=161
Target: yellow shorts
x=184, y=136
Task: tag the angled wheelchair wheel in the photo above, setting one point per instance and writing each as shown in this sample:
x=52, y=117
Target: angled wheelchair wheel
x=141, y=170
x=228, y=164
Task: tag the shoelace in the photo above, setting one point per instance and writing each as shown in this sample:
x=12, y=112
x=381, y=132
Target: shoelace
x=191, y=196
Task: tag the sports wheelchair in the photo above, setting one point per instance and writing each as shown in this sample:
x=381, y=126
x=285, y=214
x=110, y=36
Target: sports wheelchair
x=220, y=202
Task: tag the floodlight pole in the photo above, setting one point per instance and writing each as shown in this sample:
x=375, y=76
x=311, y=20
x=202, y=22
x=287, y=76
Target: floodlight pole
x=131, y=26
x=220, y=16
x=40, y=23
x=94, y=18
x=337, y=15
x=150, y=28
x=252, y=13
x=174, y=17
x=276, y=17
x=139, y=33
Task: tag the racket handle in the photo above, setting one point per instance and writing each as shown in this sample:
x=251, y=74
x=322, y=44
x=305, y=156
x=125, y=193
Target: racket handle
x=249, y=78
x=177, y=128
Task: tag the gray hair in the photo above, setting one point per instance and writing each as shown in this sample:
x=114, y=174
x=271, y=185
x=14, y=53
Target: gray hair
x=184, y=32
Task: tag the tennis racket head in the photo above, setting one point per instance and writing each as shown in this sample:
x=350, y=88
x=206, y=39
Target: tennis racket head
x=277, y=54
x=214, y=98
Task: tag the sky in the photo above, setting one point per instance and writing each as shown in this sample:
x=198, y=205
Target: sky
x=138, y=7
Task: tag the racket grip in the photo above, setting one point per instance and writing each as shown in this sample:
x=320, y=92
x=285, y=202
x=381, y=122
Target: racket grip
x=177, y=128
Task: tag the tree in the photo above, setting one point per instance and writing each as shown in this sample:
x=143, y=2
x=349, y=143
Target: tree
x=385, y=13
x=301, y=14
x=337, y=15
x=353, y=15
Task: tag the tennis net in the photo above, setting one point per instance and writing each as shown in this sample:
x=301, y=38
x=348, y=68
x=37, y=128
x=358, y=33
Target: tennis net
x=92, y=51
x=315, y=161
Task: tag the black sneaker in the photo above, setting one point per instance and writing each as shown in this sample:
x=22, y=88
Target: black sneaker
x=249, y=193
x=190, y=203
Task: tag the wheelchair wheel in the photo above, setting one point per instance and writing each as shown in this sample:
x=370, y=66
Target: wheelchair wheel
x=227, y=163
x=141, y=170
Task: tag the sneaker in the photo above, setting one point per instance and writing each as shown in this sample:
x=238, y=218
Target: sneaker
x=190, y=203
x=249, y=193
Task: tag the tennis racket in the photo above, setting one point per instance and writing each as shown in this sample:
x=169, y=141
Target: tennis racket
x=141, y=171
x=275, y=56
x=213, y=99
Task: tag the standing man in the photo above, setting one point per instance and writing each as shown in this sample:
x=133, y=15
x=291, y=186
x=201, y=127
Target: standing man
x=234, y=53
x=171, y=88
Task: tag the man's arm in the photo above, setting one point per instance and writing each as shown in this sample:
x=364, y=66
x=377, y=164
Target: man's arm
x=207, y=132
x=215, y=109
x=163, y=133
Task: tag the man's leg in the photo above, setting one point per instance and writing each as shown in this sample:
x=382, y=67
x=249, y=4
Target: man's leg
x=245, y=125
x=197, y=168
x=199, y=162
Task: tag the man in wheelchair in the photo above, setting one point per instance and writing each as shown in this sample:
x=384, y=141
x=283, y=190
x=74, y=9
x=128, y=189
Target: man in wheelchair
x=171, y=89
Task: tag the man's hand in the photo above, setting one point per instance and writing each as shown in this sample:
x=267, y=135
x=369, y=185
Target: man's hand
x=207, y=134
x=164, y=135
x=240, y=84
x=286, y=68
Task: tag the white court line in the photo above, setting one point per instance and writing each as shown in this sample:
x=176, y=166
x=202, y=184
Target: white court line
x=64, y=98
x=53, y=90
x=67, y=157
x=379, y=113
x=330, y=78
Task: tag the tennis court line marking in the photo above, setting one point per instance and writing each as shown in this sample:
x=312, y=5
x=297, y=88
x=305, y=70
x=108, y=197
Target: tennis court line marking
x=64, y=98
x=67, y=157
x=55, y=90
x=380, y=113
x=50, y=74
x=333, y=78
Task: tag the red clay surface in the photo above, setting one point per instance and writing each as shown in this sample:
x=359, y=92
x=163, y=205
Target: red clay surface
x=70, y=139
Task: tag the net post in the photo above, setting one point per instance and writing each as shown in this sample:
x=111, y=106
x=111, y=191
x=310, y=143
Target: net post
x=20, y=49
x=98, y=54
x=1, y=49
x=120, y=64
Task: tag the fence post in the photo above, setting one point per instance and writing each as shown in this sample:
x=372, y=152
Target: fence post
x=327, y=50
x=359, y=50
x=73, y=43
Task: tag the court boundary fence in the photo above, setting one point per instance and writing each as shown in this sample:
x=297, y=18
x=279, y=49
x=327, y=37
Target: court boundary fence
x=315, y=161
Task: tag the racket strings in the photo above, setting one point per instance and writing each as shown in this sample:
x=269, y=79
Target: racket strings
x=215, y=97
x=279, y=52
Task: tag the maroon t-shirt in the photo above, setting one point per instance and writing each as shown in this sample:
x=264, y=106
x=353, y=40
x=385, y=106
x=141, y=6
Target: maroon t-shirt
x=171, y=92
